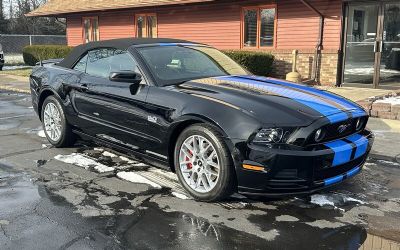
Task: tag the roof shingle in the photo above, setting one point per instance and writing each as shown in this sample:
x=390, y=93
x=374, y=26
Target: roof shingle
x=62, y=7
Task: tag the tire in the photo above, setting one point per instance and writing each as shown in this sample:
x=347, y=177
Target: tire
x=66, y=137
x=224, y=184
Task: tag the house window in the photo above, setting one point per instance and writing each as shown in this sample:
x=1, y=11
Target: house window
x=258, y=27
x=90, y=29
x=146, y=25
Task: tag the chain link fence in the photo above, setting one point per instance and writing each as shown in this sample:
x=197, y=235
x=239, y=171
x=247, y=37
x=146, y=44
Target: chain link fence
x=14, y=44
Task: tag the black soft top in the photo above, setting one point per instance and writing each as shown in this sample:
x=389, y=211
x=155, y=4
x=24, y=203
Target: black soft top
x=123, y=44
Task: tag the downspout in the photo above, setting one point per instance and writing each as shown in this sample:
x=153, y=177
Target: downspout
x=319, y=45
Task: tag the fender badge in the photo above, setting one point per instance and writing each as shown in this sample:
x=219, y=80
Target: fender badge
x=152, y=119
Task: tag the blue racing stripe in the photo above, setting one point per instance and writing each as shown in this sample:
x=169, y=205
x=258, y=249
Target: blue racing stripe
x=339, y=178
x=361, y=143
x=353, y=172
x=342, y=151
x=328, y=110
x=355, y=110
x=333, y=180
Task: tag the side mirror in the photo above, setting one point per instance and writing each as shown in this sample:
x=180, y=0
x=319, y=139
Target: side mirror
x=126, y=76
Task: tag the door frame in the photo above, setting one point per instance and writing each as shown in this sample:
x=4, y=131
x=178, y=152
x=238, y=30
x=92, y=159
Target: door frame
x=378, y=42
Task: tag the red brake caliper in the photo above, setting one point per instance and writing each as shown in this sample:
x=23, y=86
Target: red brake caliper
x=189, y=165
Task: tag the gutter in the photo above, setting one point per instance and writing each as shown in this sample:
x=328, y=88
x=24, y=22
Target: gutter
x=319, y=45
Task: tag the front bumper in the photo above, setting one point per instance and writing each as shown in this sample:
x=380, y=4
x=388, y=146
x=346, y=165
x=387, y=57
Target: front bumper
x=292, y=172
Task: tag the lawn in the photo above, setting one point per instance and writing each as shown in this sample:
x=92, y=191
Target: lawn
x=17, y=72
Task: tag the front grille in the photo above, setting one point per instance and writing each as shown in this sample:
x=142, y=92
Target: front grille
x=333, y=131
x=324, y=172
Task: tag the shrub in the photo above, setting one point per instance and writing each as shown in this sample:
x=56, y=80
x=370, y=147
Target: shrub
x=35, y=53
x=258, y=63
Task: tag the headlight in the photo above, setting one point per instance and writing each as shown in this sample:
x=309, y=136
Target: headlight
x=271, y=135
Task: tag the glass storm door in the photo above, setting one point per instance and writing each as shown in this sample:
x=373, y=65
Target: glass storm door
x=372, y=55
x=390, y=60
x=361, y=42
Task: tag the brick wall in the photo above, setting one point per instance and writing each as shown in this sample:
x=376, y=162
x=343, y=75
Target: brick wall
x=328, y=68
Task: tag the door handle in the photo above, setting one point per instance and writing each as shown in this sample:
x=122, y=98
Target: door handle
x=375, y=46
x=378, y=46
x=83, y=87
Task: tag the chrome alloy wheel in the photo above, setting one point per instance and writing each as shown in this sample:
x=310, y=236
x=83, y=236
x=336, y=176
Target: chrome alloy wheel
x=52, y=121
x=199, y=163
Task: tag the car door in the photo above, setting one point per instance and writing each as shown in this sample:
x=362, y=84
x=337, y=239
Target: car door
x=114, y=112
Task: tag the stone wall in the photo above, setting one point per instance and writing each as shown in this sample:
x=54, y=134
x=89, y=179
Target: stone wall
x=328, y=69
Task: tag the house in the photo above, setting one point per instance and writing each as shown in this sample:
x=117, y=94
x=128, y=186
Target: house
x=350, y=43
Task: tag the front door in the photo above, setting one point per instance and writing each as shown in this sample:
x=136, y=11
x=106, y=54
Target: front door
x=110, y=109
x=372, y=54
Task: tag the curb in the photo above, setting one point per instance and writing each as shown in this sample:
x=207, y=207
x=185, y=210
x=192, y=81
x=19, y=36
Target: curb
x=378, y=156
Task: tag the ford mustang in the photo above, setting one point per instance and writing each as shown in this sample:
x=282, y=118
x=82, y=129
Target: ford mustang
x=190, y=108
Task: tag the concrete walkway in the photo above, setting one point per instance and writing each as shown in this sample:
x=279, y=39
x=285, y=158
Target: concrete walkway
x=356, y=94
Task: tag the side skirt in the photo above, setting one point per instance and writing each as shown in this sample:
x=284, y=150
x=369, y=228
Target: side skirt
x=141, y=156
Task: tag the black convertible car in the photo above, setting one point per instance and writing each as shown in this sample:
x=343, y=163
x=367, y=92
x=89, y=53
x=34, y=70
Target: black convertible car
x=190, y=108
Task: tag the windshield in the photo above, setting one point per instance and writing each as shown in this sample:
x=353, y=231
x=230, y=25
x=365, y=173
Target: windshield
x=174, y=64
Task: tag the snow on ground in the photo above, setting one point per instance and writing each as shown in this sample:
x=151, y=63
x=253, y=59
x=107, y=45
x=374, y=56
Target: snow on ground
x=41, y=134
x=109, y=154
x=180, y=196
x=84, y=162
x=394, y=100
x=334, y=200
x=135, y=178
x=129, y=161
x=389, y=163
x=321, y=200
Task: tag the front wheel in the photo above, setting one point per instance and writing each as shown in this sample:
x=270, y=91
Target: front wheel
x=203, y=163
x=56, y=128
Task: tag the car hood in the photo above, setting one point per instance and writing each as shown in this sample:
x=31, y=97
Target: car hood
x=273, y=101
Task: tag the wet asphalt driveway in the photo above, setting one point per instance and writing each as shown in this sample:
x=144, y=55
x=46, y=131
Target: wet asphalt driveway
x=106, y=200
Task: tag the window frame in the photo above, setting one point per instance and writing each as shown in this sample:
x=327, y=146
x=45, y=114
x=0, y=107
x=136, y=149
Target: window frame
x=145, y=15
x=144, y=77
x=91, y=27
x=258, y=8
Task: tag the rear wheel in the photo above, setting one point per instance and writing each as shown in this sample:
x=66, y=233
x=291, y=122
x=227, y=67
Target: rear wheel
x=55, y=125
x=203, y=163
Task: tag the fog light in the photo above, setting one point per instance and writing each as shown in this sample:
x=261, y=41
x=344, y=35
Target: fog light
x=360, y=123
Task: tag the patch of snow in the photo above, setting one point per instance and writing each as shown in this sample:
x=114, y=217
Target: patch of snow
x=126, y=159
x=321, y=200
x=286, y=218
x=180, y=196
x=98, y=149
x=136, y=178
x=84, y=162
x=41, y=134
x=394, y=100
x=333, y=200
x=325, y=224
x=14, y=67
x=389, y=163
x=350, y=199
x=109, y=154
x=44, y=146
